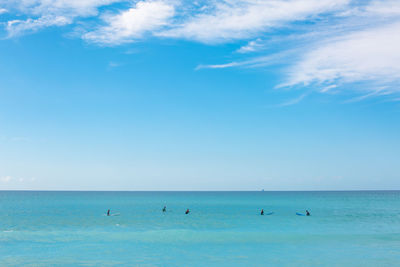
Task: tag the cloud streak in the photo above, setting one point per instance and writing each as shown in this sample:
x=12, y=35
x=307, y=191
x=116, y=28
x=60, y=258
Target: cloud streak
x=369, y=55
x=219, y=66
x=293, y=101
x=233, y=20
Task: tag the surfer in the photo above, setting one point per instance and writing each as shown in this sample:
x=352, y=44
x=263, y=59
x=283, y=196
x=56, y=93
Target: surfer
x=187, y=211
x=262, y=211
x=108, y=212
x=307, y=213
x=164, y=209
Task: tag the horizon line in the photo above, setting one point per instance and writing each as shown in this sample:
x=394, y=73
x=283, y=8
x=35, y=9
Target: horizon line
x=161, y=191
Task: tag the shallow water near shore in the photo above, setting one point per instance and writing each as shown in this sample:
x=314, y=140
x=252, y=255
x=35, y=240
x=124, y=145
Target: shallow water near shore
x=223, y=229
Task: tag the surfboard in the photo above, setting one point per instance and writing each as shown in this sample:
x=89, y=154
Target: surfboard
x=299, y=214
x=113, y=214
x=269, y=213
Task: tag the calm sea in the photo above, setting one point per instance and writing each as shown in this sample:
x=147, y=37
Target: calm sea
x=222, y=229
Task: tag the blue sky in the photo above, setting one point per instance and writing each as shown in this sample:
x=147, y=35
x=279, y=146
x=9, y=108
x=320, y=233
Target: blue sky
x=199, y=95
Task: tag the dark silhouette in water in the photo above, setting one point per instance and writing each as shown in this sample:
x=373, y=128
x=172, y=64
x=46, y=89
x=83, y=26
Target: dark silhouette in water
x=262, y=211
x=307, y=213
x=187, y=211
x=108, y=212
x=164, y=209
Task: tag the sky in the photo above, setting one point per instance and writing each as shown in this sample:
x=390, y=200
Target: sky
x=199, y=95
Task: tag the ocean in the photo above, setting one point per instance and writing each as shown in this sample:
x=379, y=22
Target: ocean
x=352, y=228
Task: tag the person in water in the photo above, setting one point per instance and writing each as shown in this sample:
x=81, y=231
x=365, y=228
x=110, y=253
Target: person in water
x=307, y=213
x=164, y=209
x=108, y=212
x=262, y=211
x=187, y=211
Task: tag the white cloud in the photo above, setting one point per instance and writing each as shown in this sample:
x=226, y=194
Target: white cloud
x=17, y=27
x=293, y=101
x=132, y=24
x=57, y=7
x=386, y=8
x=377, y=91
x=3, y=10
x=243, y=19
x=5, y=179
x=47, y=13
x=251, y=46
x=369, y=55
x=219, y=66
x=256, y=62
x=8, y=179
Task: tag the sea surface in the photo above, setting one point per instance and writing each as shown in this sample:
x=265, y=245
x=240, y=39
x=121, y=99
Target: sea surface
x=222, y=229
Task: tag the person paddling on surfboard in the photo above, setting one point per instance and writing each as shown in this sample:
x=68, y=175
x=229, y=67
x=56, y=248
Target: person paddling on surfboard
x=262, y=211
x=108, y=212
x=164, y=209
x=187, y=211
x=307, y=213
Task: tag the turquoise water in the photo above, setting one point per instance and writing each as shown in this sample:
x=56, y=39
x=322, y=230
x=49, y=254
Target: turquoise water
x=223, y=229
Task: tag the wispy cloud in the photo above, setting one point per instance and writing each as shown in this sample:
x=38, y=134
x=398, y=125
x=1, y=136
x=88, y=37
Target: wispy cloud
x=131, y=24
x=376, y=92
x=232, y=20
x=113, y=64
x=251, y=46
x=43, y=13
x=219, y=66
x=18, y=27
x=9, y=179
x=256, y=62
x=368, y=55
x=3, y=10
x=6, y=179
x=332, y=56
x=387, y=8
x=293, y=101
